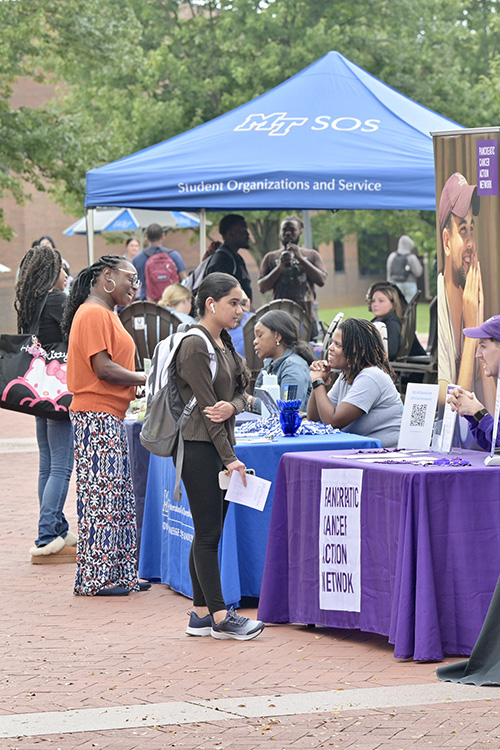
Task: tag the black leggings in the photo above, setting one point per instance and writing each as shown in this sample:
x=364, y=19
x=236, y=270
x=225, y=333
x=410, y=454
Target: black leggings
x=200, y=471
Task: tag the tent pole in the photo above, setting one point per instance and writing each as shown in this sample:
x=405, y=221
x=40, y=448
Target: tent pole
x=308, y=240
x=203, y=232
x=89, y=218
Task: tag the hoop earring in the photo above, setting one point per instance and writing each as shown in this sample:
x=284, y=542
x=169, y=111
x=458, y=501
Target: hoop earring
x=110, y=291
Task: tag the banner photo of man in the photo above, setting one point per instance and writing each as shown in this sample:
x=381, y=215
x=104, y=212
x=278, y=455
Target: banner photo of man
x=468, y=230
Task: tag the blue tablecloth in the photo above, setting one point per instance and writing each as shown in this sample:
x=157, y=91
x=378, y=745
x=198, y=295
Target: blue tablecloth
x=139, y=463
x=167, y=528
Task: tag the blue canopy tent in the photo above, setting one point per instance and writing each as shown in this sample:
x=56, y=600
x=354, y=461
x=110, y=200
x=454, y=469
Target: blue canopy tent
x=126, y=220
x=330, y=137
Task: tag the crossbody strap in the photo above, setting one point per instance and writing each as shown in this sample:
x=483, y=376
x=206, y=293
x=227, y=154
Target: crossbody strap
x=35, y=325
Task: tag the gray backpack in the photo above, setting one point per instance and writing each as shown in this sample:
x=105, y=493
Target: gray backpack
x=400, y=268
x=166, y=413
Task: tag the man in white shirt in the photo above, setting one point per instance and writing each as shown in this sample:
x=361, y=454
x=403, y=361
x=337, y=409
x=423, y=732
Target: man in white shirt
x=460, y=288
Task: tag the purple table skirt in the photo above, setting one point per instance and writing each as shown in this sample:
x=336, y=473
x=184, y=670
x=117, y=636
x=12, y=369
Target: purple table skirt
x=430, y=552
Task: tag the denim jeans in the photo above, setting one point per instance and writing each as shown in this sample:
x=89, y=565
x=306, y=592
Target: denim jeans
x=409, y=289
x=55, y=444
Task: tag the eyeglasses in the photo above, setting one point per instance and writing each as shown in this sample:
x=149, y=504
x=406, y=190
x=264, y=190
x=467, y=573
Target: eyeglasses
x=134, y=279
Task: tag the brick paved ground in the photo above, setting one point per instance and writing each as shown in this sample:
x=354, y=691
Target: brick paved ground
x=61, y=652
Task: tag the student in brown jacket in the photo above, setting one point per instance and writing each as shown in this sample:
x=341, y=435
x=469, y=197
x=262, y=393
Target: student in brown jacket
x=208, y=449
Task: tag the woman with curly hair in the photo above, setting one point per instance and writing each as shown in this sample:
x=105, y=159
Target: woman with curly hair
x=102, y=379
x=39, y=305
x=364, y=399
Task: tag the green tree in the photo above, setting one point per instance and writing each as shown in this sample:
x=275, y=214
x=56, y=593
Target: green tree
x=75, y=44
x=131, y=73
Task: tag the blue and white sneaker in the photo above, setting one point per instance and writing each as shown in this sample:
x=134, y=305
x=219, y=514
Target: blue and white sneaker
x=237, y=627
x=199, y=625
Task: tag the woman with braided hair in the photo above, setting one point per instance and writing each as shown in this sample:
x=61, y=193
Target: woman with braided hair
x=364, y=399
x=39, y=305
x=102, y=379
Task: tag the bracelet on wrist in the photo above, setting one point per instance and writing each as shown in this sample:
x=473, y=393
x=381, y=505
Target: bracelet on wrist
x=318, y=382
x=480, y=414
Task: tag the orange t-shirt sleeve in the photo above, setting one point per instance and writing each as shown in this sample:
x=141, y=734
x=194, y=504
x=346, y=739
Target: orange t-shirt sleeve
x=94, y=330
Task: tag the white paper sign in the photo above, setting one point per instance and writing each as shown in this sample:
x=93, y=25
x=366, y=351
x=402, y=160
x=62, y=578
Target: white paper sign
x=418, y=416
x=254, y=495
x=340, y=540
x=449, y=421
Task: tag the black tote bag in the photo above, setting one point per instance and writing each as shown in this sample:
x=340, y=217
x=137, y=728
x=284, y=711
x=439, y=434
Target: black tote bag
x=32, y=377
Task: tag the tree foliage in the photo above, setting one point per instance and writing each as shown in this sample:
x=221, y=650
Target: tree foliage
x=130, y=73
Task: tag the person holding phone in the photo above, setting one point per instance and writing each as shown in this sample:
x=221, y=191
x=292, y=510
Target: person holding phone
x=293, y=271
x=208, y=449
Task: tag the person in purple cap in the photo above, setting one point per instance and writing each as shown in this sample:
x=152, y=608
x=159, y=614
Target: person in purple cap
x=459, y=287
x=465, y=402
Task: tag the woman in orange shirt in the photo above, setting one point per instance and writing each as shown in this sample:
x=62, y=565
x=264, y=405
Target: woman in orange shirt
x=102, y=378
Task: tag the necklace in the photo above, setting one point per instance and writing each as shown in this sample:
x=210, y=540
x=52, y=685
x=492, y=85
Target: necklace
x=94, y=296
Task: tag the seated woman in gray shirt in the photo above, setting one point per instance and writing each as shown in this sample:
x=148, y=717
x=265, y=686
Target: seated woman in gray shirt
x=277, y=343
x=364, y=399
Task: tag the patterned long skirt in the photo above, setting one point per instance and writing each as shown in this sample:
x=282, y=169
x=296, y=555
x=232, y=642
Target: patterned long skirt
x=107, y=533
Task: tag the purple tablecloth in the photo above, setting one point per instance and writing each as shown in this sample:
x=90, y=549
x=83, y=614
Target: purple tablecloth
x=430, y=552
x=167, y=526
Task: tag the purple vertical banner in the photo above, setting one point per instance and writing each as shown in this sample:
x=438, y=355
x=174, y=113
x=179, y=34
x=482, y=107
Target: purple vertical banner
x=487, y=167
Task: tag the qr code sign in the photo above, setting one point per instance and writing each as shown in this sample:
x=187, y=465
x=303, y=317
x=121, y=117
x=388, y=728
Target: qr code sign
x=417, y=416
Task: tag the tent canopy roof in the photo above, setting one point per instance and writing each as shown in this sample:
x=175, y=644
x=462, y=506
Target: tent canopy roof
x=126, y=220
x=330, y=137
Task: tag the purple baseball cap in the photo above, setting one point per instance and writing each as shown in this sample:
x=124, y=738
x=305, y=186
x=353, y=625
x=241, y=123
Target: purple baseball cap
x=490, y=329
x=457, y=197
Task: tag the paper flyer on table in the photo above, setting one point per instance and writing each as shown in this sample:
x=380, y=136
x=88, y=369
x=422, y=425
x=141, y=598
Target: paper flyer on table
x=254, y=495
x=449, y=421
x=418, y=416
x=492, y=459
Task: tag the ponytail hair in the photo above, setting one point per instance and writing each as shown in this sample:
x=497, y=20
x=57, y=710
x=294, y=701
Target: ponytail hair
x=242, y=374
x=82, y=286
x=283, y=323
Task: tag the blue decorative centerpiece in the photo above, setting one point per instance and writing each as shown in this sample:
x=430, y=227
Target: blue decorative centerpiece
x=290, y=418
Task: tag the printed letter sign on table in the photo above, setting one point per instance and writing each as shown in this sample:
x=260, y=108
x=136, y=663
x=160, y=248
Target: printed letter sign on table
x=340, y=540
x=418, y=416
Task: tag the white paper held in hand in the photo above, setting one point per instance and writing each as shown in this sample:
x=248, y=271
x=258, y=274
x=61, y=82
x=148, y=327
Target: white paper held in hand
x=254, y=495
